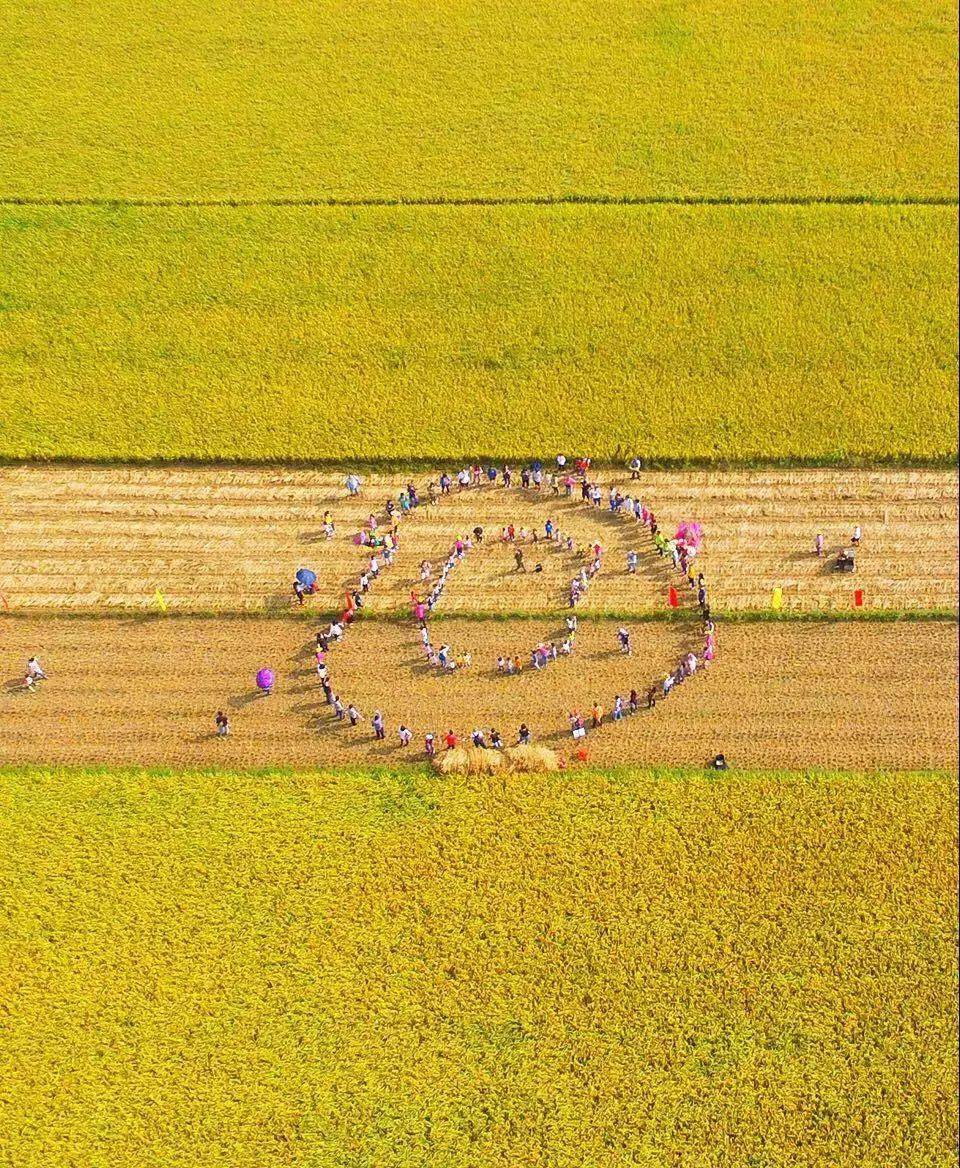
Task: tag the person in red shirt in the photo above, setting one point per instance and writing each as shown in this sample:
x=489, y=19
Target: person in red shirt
x=450, y=740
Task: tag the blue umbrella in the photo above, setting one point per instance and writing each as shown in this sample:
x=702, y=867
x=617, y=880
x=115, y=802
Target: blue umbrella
x=306, y=578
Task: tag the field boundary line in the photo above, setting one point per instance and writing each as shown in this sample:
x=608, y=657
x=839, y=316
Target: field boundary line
x=619, y=772
x=566, y=200
x=431, y=464
x=400, y=616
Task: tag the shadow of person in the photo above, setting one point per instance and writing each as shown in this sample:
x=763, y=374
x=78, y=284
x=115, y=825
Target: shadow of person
x=237, y=703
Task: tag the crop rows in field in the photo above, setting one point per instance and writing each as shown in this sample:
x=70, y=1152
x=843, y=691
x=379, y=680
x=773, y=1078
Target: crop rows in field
x=145, y=691
x=229, y=540
x=821, y=333
x=265, y=970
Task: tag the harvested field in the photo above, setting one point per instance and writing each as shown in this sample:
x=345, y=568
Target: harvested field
x=144, y=690
x=229, y=540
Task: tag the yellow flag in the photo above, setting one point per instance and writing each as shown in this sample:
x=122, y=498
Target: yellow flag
x=777, y=602
x=159, y=601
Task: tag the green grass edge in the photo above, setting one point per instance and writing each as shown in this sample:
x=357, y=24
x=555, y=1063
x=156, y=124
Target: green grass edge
x=313, y=616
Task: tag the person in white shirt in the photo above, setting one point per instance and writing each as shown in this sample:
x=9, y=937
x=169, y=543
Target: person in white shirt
x=34, y=674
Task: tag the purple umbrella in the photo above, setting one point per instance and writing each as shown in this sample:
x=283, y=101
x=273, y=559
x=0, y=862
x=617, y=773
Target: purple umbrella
x=265, y=680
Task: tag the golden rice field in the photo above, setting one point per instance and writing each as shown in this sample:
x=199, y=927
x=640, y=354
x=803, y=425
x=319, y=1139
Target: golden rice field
x=421, y=98
x=818, y=333
x=373, y=968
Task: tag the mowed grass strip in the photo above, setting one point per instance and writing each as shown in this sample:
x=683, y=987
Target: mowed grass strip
x=695, y=333
x=367, y=968
x=264, y=99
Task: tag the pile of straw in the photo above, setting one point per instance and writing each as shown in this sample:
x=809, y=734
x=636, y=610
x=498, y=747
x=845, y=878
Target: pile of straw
x=474, y=760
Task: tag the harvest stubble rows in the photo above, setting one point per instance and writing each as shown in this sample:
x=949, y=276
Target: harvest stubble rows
x=144, y=691
x=229, y=539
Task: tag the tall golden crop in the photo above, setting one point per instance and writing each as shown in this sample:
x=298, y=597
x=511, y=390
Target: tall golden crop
x=397, y=969
x=446, y=97
x=818, y=333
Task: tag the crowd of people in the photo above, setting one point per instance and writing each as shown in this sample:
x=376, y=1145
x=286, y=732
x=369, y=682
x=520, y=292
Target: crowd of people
x=381, y=536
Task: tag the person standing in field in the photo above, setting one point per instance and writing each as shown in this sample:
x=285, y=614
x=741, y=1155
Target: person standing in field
x=635, y=465
x=857, y=535
x=222, y=723
x=818, y=545
x=450, y=741
x=354, y=714
x=523, y=735
x=378, y=727
x=518, y=556
x=338, y=711
x=430, y=745
x=353, y=483
x=596, y=715
x=405, y=736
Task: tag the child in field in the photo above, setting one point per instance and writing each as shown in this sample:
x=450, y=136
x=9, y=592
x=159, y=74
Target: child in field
x=405, y=736
x=523, y=735
x=338, y=710
x=222, y=723
x=818, y=545
x=354, y=714
x=430, y=745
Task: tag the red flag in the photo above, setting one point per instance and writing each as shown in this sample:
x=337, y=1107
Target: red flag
x=349, y=602
x=858, y=598
x=672, y=599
